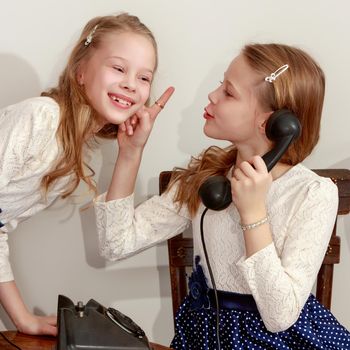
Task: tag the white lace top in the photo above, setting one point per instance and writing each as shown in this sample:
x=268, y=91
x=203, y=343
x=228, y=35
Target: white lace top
x=302, y=208
x=28, y=148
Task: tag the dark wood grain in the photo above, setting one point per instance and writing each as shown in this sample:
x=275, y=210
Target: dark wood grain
x=33, y=342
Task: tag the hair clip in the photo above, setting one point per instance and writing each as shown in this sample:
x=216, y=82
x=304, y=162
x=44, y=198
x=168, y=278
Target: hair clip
x=90, y=36
x=272, y=77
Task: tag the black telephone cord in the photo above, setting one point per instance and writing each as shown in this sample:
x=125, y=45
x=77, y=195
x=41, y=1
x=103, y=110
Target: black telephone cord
x=212, y=280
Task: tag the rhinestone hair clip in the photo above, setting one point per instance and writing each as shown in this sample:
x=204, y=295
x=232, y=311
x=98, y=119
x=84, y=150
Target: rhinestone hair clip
x=90, y=36
x=272, y=77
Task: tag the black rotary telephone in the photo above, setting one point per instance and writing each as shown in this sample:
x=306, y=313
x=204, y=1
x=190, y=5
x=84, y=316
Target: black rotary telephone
x=283, y=127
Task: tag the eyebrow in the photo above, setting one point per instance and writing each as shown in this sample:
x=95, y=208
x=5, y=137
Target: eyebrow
x=123, y=59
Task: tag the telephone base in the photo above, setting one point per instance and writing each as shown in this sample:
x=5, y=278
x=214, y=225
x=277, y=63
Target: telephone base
x=92, y=326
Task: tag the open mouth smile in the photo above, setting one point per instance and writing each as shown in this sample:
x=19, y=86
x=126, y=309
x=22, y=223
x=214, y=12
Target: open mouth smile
x=121, y=101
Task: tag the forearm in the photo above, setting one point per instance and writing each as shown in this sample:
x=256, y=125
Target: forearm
x=24, y=320
x=123, y=230
x=12, y=302
x=278, y=294
x=125, y=174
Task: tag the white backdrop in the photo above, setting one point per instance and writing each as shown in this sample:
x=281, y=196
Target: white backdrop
x=55, y=252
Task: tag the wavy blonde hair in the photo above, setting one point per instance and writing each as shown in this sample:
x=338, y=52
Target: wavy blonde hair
x=78, y=119
x=300, y=89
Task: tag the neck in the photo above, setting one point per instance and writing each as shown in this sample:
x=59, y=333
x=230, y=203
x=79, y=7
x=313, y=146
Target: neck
x=277, y=171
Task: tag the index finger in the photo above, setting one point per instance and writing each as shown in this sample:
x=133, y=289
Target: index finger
x=162, y=100
x=259, y=164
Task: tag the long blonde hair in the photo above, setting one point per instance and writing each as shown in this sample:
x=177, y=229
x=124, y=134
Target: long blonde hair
x=78, y=119
x=300, y=89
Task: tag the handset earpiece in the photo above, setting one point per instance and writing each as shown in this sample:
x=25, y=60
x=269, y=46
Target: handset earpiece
x=283, y=127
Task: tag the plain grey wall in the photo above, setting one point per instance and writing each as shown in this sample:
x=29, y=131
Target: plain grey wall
x=55, y=251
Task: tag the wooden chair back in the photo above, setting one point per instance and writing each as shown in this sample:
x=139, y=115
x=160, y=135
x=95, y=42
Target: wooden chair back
x=180, y=248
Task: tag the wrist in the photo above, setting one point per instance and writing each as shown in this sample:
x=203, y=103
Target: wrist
x=252, y=216
x=254, y=224
x=130, y=154
x=22, y=319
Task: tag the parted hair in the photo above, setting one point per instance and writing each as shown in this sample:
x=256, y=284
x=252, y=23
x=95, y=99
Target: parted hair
x=78, y=120
x=300, y=89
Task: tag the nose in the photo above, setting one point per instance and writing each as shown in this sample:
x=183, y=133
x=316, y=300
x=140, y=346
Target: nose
x=128, y=83
x=213, y=96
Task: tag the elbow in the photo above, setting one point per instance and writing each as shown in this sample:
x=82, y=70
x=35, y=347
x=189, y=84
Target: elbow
x=276, y=328
x=281, y=324
x=113, y=253
x=109, y=254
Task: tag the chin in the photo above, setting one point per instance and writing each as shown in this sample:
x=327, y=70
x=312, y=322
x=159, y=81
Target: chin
x=206, y=131
x=121, y=117
x=210, y=134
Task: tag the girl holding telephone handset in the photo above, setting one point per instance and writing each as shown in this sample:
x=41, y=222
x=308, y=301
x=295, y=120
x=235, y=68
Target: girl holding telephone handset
x=266, y=247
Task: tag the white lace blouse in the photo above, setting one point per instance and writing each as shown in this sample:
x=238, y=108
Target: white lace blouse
x=302, y=208
x=28, y=148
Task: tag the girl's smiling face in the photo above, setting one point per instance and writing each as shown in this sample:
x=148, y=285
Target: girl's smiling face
x=117, y=76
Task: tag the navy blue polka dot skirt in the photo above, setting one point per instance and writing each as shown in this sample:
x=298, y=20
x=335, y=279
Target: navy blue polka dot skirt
x=241, y=326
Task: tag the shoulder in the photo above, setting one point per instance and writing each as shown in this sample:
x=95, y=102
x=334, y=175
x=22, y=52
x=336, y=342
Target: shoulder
x=302, y=180
x=35, y=108
x=29, y=126
x=31, y=116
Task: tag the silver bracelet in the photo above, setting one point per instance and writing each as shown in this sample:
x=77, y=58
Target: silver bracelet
x=255, y=224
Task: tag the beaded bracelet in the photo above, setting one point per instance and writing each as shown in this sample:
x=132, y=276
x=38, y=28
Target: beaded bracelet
x=255, y=224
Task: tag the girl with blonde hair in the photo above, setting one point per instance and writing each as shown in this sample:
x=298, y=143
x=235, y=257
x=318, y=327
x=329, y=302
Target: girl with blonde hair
x=44, y=140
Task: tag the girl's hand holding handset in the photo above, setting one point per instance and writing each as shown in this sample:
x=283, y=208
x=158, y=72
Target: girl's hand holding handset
x=250, y=183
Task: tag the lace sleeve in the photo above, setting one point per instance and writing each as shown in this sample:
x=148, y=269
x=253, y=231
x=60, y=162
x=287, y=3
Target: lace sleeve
x=12, y=147
x=281, y=283
x=25, y=131
x=124, y=231
x=5, y=267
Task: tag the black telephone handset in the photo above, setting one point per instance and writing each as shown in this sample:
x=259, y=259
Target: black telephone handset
x=283, y=127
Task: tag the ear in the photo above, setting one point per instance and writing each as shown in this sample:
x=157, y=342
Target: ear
x=262, y=120
x=80, y=75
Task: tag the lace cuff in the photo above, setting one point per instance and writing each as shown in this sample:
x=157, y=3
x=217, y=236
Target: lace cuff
x=6, y=274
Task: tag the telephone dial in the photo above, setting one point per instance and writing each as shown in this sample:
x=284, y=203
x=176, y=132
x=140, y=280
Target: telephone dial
x=283, y=127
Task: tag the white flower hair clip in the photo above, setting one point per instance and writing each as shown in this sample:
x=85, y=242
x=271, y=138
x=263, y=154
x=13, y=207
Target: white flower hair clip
x=272, y=77
x=90, y=36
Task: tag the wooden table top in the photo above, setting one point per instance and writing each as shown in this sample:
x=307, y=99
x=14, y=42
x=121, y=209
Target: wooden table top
x=10, y=340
